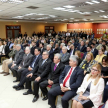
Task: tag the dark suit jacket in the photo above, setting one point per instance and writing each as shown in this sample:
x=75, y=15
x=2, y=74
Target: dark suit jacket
x=95, y=53
x=70, y=51
x=83, y=49
x=57, y=50
x=54, y=75
x=75, y=79
x=18, y=56
x=51, y=55
x=43, y=50
x=37, y=60
x=26, y=60
x=42, y=70
x=32, y=50
x=6, y=49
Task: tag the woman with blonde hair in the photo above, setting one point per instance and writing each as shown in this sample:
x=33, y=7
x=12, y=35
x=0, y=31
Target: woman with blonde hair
x=89, y=94
x=87, y=62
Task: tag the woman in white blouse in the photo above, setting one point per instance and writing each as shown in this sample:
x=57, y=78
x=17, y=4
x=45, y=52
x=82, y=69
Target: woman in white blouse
x=90, y=92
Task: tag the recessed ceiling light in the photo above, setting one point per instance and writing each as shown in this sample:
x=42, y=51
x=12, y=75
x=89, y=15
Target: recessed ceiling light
x=91, y=19
x=40, y=14
x=89, y=2
x=69, y=6
x=76, y=20
x=95, y=1
x=59, y=8
x=101, y=10
x=71, y=18
x=96, y=11
x=104, y=0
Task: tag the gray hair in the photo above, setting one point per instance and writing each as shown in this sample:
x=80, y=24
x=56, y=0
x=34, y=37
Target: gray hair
x=28, y=47
x=62, y=44
x=64, y=47
x=19, y=45
x=49, y=45
x=46, y=52
x=74, y=58
x=58, y=55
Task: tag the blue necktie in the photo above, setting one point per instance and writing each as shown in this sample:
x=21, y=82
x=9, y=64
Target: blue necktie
x=34, y=62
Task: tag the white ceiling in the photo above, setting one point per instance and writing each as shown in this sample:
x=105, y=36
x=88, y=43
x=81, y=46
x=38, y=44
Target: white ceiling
x=10, y=10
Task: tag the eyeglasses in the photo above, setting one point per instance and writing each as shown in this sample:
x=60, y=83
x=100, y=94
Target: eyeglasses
x=94, y=69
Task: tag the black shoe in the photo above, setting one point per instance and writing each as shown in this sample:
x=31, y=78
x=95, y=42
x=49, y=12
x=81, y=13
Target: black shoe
x=28, y=92
x=15, y=87
x=45, y=98
x=35, y=98
x=19, y=88
x=16, y=81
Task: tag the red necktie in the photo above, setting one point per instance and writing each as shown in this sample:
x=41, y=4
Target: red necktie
x=66, y=79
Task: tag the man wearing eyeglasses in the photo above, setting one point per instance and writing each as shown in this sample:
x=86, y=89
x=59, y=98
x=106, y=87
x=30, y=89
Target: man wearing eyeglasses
x=39, y=74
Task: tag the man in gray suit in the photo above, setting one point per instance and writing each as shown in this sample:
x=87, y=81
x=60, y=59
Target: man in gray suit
x=17, y=59
x=64, y=56
x=18, y=69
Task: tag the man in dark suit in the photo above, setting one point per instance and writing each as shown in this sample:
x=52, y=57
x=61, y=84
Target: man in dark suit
x=38, y=75
x=41, y=45
x=34, y=61
x=33, y=47
x=49, y=49
x=18, y=69
x=56, y=49
x=69, y=81
x=81, y=47
x=5, y=51
x=20, y=35
x=17, y=59
x=89, y=48
x=53, y=79
x=72, y=50
x=94, y=50
x=65, y=56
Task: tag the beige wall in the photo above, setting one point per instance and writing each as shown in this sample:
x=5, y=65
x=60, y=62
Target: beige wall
x=29, y=27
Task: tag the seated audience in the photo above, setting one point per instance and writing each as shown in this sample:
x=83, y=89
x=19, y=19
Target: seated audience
x=72, y=50
x=94, y=50
x=99, y=57
x=81, y=47
x=50, y=51
x=87, y=62
x=38, y=75
x=33, y=47
x=41, y=46
x=34, y=62
x=17, y=59
x=64, y=56
x=69, y=81
x=17, y=70
x=8, y=61
x=53, y=79
x=56, y=49
x=90, y=92
x=61, y=45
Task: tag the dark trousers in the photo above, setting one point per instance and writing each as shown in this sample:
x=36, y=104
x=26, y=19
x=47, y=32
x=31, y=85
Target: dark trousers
x=43, y=86
x=105, y=94
x=54, y=92
x=23, y=77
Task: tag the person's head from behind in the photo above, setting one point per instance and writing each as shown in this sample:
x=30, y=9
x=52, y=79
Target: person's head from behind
x=89, y=56
x=105, y=60
x=78, y=54
x=57, y=58
x=27, y=50
x=73, y=61
x=48, y=47
x=45, y=55
x=37, y=51
x=64, y=49
x=18, y=47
